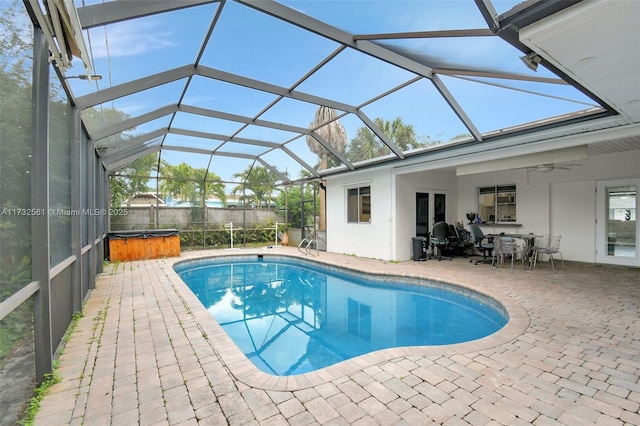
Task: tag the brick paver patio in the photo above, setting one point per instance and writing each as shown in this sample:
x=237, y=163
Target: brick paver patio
x=147, y=352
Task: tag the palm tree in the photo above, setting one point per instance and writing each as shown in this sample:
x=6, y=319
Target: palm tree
x=334, y=133
x=180, y=182
x=260, y=181
x=367, y=145
x=211, y=185
x=403, y=135
x=364, y=145
x=189, y=183
x=132, y=179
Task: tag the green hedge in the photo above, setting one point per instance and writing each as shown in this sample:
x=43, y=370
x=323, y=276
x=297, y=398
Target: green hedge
x=220, y=237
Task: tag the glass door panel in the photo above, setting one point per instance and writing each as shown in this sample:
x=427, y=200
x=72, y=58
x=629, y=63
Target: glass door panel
x=422, y=214
x=621, y=221
x=440, y=208
x=617, y=233
x=429, y=205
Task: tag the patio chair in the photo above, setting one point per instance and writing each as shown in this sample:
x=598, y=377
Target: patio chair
x=478, y=240
x=540, y=242
x=549, y=245
x=440, y=240
x=457, y=242
x=506, y=247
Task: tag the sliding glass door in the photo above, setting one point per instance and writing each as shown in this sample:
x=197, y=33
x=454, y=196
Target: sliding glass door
x=616, y=223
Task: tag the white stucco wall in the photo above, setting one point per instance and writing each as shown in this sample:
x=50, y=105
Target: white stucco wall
x=560, y=202
x=407, y=185
x=362, y=239
x=572, y=217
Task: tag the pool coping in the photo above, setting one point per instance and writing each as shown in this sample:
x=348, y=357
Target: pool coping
x=243, y=370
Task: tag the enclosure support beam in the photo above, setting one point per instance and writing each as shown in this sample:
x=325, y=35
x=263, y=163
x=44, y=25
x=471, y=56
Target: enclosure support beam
x=76, y=220
x=157, y=203
x=244, y=213
x=204, y=213
x=40, y=249
x=302, y=200
x=91, y=204
x=102, y=218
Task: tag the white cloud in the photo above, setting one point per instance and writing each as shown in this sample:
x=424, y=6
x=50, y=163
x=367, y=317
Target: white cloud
x=130, y=39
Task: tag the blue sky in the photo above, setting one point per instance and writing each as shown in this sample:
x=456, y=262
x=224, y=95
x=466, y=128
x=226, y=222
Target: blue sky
x=256, y=46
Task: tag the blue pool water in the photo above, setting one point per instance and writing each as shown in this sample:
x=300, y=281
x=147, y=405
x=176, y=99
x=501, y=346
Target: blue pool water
x=291, y=316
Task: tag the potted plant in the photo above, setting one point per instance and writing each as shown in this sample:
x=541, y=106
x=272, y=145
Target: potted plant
x=283, y=236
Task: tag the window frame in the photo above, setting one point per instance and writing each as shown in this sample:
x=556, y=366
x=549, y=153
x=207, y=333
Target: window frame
x=503, y=195
x=362, y=205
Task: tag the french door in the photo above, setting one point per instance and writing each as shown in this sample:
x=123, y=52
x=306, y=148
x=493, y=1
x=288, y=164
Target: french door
x=431, y=207
x=617, y=233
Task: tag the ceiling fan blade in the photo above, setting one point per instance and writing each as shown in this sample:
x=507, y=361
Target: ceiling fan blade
x=548, y=167
x=542, y=168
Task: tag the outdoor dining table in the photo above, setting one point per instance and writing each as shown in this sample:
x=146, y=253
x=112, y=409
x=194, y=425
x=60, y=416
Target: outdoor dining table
x=529, y=243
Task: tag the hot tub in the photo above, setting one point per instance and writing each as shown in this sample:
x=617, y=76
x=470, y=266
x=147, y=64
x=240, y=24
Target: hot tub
x=142, y=244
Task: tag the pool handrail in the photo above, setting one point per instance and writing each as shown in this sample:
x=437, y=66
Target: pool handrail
x=306, y=249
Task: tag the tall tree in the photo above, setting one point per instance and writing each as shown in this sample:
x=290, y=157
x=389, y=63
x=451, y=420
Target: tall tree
x=400, y=133
x=132, y=179
x=260, y=181
x=188, y=183
x=336, y=136
x=179, y=181
x=16, y=48
x=209, y=183
x=367, y=145
x=293, y=200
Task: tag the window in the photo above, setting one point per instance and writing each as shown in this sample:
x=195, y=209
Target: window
x=497, y=204
x=359, y=204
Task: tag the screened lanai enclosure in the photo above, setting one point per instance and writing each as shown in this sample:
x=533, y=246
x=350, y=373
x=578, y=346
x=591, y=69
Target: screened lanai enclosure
x=208, y=115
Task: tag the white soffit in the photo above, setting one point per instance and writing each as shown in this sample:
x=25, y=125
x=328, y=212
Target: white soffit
x=530, y=160
x=597, y=43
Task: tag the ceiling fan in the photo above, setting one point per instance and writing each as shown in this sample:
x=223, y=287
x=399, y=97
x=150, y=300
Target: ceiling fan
x=549, y=167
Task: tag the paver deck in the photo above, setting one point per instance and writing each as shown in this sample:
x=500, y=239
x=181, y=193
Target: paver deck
x=147, y=352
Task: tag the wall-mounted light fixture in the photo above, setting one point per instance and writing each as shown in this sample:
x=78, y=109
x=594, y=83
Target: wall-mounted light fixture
x=531, y=60
x=543, y=168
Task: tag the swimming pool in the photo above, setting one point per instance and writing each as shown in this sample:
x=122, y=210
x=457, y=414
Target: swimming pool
x=291, y=316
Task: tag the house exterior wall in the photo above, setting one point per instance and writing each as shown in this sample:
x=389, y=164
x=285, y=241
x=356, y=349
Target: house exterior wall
x=406, y=186
x=372, y=239
x=572, y=216
x=405, y=216
x=389, y=235
x=532, y=204
x=559, y=202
